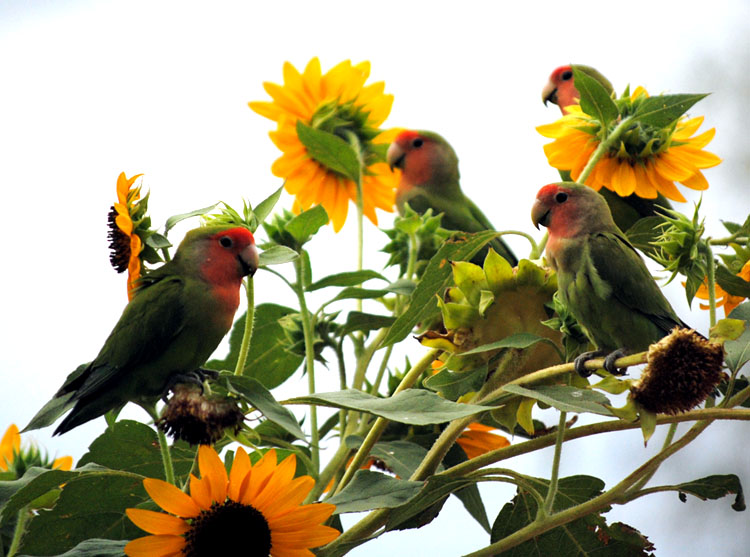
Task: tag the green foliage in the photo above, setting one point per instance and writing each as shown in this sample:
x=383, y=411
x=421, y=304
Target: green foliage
x=596, y=101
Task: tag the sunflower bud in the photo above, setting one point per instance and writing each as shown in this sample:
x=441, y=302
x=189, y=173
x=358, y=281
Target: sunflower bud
x=678, y=245
x=683, y=369
x=199, y=419
x=427, y=232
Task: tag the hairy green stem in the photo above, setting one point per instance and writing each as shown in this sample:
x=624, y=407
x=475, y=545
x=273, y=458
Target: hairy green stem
x=307, y=331
x=603, y=147
x=381, y=370
x=247, y=335
x=22, y=519
x=166, y=456
x=711, y=280
x=555, y=473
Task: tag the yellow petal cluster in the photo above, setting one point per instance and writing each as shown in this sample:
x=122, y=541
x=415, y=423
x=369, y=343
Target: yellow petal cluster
x=299, y=98
x=680, y=158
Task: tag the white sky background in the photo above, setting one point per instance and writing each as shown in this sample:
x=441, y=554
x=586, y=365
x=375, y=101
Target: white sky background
x=90, y=89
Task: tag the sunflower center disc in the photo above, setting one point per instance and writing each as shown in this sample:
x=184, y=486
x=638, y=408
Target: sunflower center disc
x=229, y=528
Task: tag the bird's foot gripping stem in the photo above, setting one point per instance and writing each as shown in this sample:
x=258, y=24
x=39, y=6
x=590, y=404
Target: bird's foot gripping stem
x=195, y=377
x=609, y=361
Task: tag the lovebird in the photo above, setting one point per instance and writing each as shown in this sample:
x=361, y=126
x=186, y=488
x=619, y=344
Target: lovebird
x=176, y=319
x=561, y=90
x=430, y=179
x=601, y=279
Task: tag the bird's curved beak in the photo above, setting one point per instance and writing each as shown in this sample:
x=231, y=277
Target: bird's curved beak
x=249, y=260
x=539, y=214
x=549, y=93
x=395, y=156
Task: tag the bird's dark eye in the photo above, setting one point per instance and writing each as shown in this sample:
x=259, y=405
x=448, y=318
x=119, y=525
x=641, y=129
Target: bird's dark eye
x=226, y=242
x=418, y=142
x=561, y=197
x=567, y=75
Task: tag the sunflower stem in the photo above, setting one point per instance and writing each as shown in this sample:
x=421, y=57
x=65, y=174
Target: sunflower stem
x=711, y=280
x=166, y=455
x=247, y=335
x=307, y=330
x=603, y=147
x=549, y=502
x=22, y=519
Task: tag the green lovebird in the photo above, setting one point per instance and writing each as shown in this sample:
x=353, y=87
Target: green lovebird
x=561, y=90
x=178, y=316
x=601, y=278
x=430, y=180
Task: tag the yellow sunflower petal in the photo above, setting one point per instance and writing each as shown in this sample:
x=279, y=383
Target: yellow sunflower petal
x=155, y=546
x=259, y=476
x=694, y=157
x=266, y=109
x=686, y=128
x=279, y=480
x=157, y=523
x=302, y=517
x=696, y=182
x=623, y=180
x=671, y=168
x=170, y=498
x=663, y=186
x=643, y=186
x=212, y=469
x=700, y=141
x=200, y=491
x=314, y=537
x=63, y=463
x=240, y=468
x=311, y=79
x=291, y=496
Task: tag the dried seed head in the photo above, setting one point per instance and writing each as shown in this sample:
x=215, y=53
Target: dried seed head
x=683, y=369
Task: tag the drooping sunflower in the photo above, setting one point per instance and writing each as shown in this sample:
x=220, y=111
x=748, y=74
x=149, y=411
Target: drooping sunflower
x=724, y=298
x=254, y=510
x=646, y=161
x=13, y=459
x=478, y=439
x=340, y=103
x=125, y=243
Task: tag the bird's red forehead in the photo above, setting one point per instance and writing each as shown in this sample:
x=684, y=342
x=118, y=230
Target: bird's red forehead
x=548, y=191
x=239, y=234
x=555, y=76
x=406, y=136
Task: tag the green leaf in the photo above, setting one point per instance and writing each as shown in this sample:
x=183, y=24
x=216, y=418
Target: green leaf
x=644, y=233
x=733, y=284
x=365, y=322
x=469, y=496
x=404, y=287
x=661, y=110
x=402, y=457
x=307, y=223
x=171, y=221
x=268, y=359
x=264, y=208
x=715, y=487
x=434, y=492
x=595, y=99
x=373, y=490
x=356, y=293
x=738, y=351
x=16, y=494
x=260, y=397
x=455, y=384
x=519, y=340
x=329, y=150
x=413, y=406
x=276, y=255
x=97, y=547
x=436, y=278
x=92, y=505
x=565, y=398
x=351, y=278
x=131, y=446
x=158, y=241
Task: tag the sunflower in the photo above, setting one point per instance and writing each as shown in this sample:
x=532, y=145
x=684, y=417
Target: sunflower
x=12, y=459
x=646, y=161
x=478, y=439
x=337, y=102
x=124, y=242
x=254, y=510
x=724, y=298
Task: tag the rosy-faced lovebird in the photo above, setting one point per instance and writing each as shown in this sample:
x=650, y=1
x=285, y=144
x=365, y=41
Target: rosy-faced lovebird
x=430, y=180
x=601, y=278
x=178, y=316
x=561, y=90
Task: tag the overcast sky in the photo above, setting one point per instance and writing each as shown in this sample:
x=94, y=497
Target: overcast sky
x=91, y=89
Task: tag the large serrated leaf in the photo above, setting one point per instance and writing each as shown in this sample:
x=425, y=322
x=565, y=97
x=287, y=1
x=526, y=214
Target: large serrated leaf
x=276, y=255
x=96, y=547
x=351, y=278
x=260, y=397
x=715, y=487
x=738, y=351
x=519, y=340
x=413, y=406
x=661, y=110
x=268, y=359
x=401, y=457
x=307, y=223
x=565, y=398
x=329, y=150
x=595, y=99
x=365, y=322
x=436, y=278
x=372, y=490
x=733, y=284
x=455, y=384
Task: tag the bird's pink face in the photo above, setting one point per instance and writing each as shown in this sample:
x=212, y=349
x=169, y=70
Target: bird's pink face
x=411, y=152
x=555, y=209
x=231, y=255
x=560, y=89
